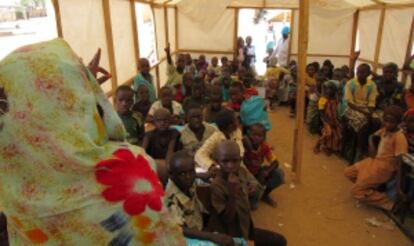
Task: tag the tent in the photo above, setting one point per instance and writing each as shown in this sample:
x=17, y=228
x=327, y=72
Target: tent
x=381, y=29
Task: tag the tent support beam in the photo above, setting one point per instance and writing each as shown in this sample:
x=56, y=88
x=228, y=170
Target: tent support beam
x=409, y=50
x=110, y=42
x=292, y=27
x=224, y=52
x=58, y=18
x=166, y=28
x=176, y=27
x=379, y=40
x=135, y=32
x=235, y=32
x=387, y=6
x=300, y=98
x=258, y=7
x=355, y=21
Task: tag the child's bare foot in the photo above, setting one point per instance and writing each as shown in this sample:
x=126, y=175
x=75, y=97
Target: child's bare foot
x=317, y=149
x=328, y=152
x=270, y=201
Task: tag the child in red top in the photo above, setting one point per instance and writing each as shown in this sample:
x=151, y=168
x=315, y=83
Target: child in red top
x=236, y=96
x=261, y=162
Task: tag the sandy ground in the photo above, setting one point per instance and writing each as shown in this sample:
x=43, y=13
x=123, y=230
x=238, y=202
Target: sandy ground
x=319, y=211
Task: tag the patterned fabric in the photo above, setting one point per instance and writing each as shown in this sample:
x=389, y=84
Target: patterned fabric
x=63, y=178
x=186, y=209
x=134, y=126
x=255, y=159
x=331, y=135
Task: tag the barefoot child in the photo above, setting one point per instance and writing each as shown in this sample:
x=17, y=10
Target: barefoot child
x=163, y=141
x=229, y=199
x=182, y=201
x=331, y=139
x=370, y=173
x=196, y=131
x=133, y=122
x=166, y=101
x=261, y=162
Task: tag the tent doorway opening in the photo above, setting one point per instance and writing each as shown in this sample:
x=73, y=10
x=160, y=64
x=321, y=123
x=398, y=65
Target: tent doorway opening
x=264, y=26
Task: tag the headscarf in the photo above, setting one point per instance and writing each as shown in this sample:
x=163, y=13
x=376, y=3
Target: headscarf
x=286, y=30
x=63, y=178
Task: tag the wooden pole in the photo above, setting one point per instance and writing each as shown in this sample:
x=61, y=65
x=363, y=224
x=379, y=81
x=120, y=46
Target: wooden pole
x=354, y=34
x=379, y=39
x=157, y=75
x=292, y=29
x=110, y=43
x=135, y=32
x=166, y=29
x=300, y=98
x=177, y=47
x=409, y=50
x=235, y=32
x=58, y=18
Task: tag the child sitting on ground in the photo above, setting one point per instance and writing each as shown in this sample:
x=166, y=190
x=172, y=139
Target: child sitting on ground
x=214, y=66
x=144, y=78
x=409, y=129
x=261, y=161
x=230, y=201
x=225, y=82
x=215, y=104
x=166, y=101
x=202, y=64
x=163, y=141
x=372, y=172
x=331, y=139
x=187, y=82
x=182, y=201
x=175, y=73
x=224, y=61
x=197, y=95
x=253, y=109
x=196, y=131
x=236, y=96
x=189, y=65
x=133, y=122
x=312, y=112
x=143, y=104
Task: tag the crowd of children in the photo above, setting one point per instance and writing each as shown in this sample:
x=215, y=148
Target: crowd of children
x=206, y=131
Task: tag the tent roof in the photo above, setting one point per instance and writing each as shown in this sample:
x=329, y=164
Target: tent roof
x=332, y=4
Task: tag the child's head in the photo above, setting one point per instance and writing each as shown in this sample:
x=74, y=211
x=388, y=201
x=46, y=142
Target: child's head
x=202, y=59
x=346, y=70
x=180, y=62
x=320, y=77
x=316, y=66
x=327, y=69
x=330, y=88
x=124, y=98
x=236, y=92
x=226, y=121
x=363, y=71
x=197, y=89
x=392, y=117
x=216, y=98
x=211, y=74
x=338, y=74
x=249, y=40
x=310, y=69
x=409, y=121
x=188, y=59
x=144, y=66
x=162, y=119
x=143, y=93
x=257, y=134
x=390, y=71
x=227, y=155
x=182, y=170
x=226, y=72
x=194, y=116
x=224, y=61
x=240, y=42
x=214, y=61
x=166, y=96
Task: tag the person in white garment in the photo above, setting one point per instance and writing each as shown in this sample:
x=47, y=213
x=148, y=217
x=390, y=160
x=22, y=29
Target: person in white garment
x=282, y=48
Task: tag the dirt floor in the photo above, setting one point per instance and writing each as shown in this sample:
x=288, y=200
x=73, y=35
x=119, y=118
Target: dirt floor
x=320, y=211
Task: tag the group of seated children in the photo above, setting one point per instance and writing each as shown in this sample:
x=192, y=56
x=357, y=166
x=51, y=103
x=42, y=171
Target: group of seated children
x=349, y=112
x=206, y=132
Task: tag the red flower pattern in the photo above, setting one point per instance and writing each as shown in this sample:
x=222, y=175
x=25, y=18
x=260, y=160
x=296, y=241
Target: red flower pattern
x=130, y=180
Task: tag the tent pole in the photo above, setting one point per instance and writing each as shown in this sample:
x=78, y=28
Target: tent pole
x=58, y=18
x=409, y=50
x=110, y=42
x=300, y=98
x=235, y=32
x=292, y=29
x=177, y=47
x=354, y=34
x=379, y=39
x=166, y=25
x=135, y=32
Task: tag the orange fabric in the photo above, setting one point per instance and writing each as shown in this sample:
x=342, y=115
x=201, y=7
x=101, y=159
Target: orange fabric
x=37, y=236
x=409, y=99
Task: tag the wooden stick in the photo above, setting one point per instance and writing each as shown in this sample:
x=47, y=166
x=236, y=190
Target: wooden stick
x=135, y=32
x=157, y=74
x=177, y=47
x=379, y=40
x=166, y=28
x=205, y=51
x=323, y=55
x=354, y=34
x=110, y=43
x=235, y=32
x=292, y=29
x=408, y=50
x=300, y=98
x=387, y=6
x=58, y=18
x=259, y=7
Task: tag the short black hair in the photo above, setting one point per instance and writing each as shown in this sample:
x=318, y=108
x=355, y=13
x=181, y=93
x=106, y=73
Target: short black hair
x=366, y=65
x=197, y=82
x=224, y=118
x=259, y=125
x=165, y=88
x=123, y=88
x=181, y=154
x=192, y=106
x=237, y=84
x=394, y=111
